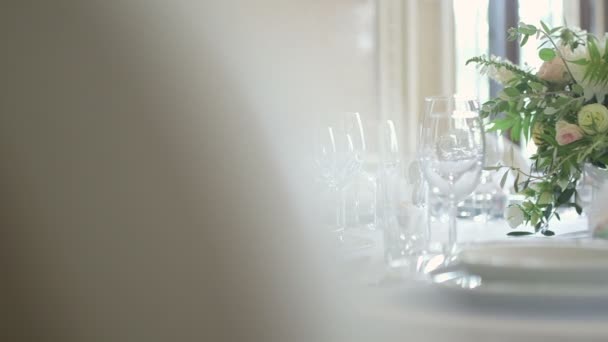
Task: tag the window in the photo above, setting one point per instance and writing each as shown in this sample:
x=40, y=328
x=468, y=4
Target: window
x=480, y=29
x=471, y=39
x=532, y=12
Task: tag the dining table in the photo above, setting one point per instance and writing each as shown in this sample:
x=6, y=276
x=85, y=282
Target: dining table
x=404, y=305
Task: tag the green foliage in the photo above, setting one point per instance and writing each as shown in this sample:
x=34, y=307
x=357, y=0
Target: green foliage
x=529, y=107
x=483, y=61
x=546, y=54
x=596, y=66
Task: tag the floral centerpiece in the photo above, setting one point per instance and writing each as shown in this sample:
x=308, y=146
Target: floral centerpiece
x=561, y=107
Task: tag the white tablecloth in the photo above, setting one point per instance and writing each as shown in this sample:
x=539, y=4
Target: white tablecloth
x=402, y=307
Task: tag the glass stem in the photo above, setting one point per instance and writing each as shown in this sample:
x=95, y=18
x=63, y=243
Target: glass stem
x=427, y=226
x=342, y=224
x=453, y=230
x=338, y=196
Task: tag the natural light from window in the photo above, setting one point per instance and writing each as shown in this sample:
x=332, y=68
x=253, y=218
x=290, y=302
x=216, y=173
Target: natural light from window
x=472, y=39
x=532, y=12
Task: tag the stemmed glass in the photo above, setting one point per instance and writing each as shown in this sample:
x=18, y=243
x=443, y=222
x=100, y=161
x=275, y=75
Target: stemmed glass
x=389, y=169
x=451, y=152
x=339, y=148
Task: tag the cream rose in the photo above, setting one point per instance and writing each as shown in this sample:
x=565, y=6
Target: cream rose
x=554, y=71
x=514, y=216
x=566, y=133
x=593, y=119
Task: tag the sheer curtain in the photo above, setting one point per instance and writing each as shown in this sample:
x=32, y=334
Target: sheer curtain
x=416, y=59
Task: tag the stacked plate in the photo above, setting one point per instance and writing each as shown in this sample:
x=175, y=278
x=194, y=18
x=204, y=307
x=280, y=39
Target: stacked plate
x=543, y=268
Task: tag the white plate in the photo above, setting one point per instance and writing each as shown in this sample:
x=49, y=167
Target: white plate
x=459, y=284
x=546, y=261
x=475, y=285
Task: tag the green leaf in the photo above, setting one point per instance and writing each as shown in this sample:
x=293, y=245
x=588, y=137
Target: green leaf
x=594, y=52
x=502, y=124
x=472, y=60
x=548, y=232
x=546, y=42
x=516, y=131
x=503, y=95
x=534, y=218
x=519, y=72
x=550, y=111
x=527, y=29
x=582, y=61
x=519, y=233
x=606, y=49
x=520, y=105
x=545, y=27
x=527, y=191
x=512, y=34
x=501, y=106
x=526, y=125
x=503, y=180
x=511, y=91
x=524, y=40
x=565, y=196
x=578, y=89
x=537, y=86
x=515, y=184
x=546, y=54
x=548, y=211
x=550, y=139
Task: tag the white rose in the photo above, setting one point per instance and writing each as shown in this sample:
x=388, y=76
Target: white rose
x=499, y=74
x=593, y=119
x=592, y=88
x=514, y=216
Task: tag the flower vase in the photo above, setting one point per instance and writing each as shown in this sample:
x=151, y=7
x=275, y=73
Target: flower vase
x=588, y=197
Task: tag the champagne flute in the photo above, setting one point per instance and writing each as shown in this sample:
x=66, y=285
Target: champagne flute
x=451, y=152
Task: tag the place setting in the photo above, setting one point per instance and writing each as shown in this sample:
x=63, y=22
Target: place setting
x=464, y=216
x=561, y=112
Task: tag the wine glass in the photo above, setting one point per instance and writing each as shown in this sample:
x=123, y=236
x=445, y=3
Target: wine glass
x=339, y=148
x=389, y=169
x=451, y=152
x=390, y=155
